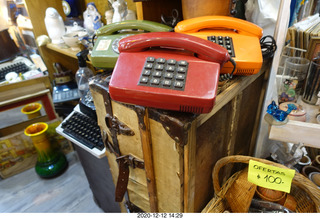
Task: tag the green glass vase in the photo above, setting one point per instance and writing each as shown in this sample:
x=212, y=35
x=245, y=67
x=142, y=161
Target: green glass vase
x=50, y=162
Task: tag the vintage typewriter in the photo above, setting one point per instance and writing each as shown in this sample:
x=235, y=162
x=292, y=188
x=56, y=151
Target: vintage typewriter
x=81, y=128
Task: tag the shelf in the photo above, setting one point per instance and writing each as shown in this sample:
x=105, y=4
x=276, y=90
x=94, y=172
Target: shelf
x=296, y=132
x=63, y=49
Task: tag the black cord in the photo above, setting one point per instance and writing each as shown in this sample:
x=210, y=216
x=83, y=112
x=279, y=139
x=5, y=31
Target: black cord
x=268, y=48
x=228, y=76
x=92, y=39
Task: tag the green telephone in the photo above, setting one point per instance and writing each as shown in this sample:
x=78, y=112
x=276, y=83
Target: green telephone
x=105, y=51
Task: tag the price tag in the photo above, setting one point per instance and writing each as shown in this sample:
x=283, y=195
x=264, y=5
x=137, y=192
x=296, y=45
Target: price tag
x=270, y=177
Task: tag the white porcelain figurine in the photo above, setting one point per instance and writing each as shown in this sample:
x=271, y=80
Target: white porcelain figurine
x=92, y=18
x=54, y=25
x=119, y=12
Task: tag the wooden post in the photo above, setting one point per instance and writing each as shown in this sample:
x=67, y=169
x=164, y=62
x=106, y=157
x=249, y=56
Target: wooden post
x=144, y=128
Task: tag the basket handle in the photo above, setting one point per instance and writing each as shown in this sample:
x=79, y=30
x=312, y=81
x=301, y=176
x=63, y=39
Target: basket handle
x=298, y=179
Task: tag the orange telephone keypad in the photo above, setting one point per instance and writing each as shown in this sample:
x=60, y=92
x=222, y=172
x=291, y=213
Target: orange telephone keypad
x=225, y=42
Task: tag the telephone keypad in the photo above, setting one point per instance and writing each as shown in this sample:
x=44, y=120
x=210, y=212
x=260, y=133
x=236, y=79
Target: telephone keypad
x=162, y=73
x=225, y=42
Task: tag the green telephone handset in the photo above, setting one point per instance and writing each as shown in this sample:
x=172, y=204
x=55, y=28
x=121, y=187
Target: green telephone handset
x=105, y=51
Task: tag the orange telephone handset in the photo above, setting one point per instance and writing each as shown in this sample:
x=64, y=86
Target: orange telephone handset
x=241, y=38
x=168, y=70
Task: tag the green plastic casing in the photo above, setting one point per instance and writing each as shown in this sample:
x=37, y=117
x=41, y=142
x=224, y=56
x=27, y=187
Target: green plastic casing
x=103, y=54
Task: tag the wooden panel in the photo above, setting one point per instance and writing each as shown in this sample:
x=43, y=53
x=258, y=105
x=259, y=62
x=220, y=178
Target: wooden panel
x=212, y=140
x=239, y=83
x=137, y=189
x=167, y=169
x=198, y=8
x=22, y=93
x=45, y=80
x=190, y=169
x=101, y=112
x=152, y=10
x=25, y=87
x=128, y=144
x=247, y=111
x=297, y=132
x=262, y=149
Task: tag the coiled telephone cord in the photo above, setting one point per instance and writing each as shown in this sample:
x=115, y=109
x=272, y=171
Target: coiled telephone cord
x=224, y=77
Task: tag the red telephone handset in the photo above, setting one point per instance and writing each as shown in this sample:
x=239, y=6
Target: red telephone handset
x=204, y=49
x=168, y=70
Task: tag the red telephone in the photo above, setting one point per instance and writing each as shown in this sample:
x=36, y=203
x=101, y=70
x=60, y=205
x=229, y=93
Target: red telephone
x=168, y=70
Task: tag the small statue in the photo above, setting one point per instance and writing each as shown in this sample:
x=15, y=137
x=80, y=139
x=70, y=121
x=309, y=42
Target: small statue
x=54, y=25
x=92, y=18
x=119, y=12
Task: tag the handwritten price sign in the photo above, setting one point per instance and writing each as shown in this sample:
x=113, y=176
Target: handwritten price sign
x=270, y=177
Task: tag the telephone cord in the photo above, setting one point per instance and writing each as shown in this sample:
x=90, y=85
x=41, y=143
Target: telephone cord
x=92, y=39
x=268, y=48
x=228, y=76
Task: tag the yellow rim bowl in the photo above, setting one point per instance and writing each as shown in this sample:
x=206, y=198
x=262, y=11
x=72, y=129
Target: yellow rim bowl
x=31, y=108
x=36, y=129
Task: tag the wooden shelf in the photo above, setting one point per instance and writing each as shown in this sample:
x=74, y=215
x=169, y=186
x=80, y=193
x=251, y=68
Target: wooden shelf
x=63, y=49
x=296, y=132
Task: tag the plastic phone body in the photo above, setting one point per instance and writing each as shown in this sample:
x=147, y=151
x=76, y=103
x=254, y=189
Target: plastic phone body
x=244, y=39
x=150, y=66
x=105, y=51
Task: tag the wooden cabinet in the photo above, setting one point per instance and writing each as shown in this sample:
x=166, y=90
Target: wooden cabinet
x=177, y=150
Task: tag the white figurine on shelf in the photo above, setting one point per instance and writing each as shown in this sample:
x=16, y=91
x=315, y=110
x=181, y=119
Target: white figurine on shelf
x=92, y=18
x=54, y=25
x=120, y=12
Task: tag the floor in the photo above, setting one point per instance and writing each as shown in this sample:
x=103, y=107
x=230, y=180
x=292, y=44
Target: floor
x=68, y=193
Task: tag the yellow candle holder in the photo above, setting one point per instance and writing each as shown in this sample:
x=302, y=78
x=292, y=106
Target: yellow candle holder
x=32, y=110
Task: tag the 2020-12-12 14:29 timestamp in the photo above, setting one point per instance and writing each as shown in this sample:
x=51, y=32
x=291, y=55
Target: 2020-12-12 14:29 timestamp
x=160, y=215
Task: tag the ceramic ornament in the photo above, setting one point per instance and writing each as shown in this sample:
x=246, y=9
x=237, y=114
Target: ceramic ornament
x=54, y=25
x=119, y=12
x=92, y=18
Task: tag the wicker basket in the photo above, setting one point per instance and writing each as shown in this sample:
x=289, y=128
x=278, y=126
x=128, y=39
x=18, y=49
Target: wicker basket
x=303, y=190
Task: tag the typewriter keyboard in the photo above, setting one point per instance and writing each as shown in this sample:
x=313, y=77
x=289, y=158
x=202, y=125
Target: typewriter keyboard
x=83, y=129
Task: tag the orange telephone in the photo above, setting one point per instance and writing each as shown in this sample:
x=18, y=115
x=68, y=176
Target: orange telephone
x=241, y=38
x=168, y=70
